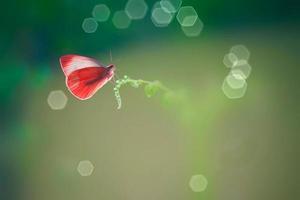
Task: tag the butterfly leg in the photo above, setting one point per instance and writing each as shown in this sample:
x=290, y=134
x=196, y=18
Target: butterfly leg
x=113, y=79
x=117, y=76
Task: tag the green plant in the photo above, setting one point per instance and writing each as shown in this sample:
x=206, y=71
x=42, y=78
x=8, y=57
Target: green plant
x=150, y=88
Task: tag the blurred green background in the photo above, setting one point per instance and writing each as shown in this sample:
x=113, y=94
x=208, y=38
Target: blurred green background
x=246, y=148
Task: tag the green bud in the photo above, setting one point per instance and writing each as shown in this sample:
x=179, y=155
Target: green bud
x=151, y=89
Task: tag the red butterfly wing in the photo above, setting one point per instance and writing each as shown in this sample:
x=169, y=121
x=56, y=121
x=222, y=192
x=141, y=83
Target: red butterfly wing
x=84, y=76
x=84, y=83
x=71, y=62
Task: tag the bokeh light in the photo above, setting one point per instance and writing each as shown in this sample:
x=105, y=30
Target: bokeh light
x=167, y=6
x=85, y=168
x=171, y=6
x=57, y=100
x=136, y=9
x=233, y=93
x=235, y=80
x=198, y=183
x=89, y=25
x=243, y=66
x=121, y=20
x=241, y=52
x=193, y=31
x=235, y=85
x=101, y=12
x=230, y=60
x=160, y=17
x=187, y=16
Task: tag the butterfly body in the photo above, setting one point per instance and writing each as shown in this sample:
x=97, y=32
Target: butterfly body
x=85, y=76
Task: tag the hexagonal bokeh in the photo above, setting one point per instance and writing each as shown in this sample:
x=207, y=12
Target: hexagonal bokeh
x=101, y=12
x=156, y=5
x=241, y=52
x=233, y=93
x=136, y=9
x=244, y=66
x=160, y=17
x=187, y=16
x=171, y=6
x=57, y=100
x=230, y=60
x=167, y=6
x=235, y=80
x=85, y=168
x=89, y=25
x=121, y=20
x=193, y=31
x=198, y=183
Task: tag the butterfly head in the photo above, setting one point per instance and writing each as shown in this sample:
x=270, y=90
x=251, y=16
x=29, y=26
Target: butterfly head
x=111, y=69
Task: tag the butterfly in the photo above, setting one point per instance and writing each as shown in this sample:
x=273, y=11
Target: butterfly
x=84, y=75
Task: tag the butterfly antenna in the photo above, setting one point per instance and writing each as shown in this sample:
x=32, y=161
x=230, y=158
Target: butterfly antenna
x=110, y=55
x=111, y=59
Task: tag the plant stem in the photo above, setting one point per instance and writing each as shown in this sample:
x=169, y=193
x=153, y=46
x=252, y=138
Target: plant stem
x=155, y=85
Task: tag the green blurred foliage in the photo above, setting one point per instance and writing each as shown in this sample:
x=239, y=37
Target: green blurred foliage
x=247, y=148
